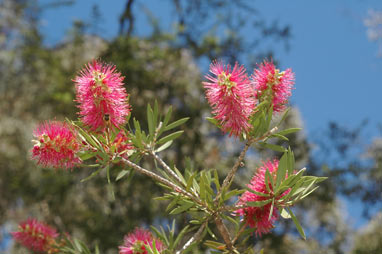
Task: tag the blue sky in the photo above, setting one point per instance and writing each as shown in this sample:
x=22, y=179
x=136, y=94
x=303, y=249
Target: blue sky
x=336, y=66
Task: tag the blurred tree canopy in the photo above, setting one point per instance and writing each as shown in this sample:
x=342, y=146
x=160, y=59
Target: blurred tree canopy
x=36, y=86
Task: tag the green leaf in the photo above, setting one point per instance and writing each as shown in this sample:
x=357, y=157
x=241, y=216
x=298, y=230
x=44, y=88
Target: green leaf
x=108, y=173
x=176, y=123
x=273, y=147
x=288, y=131
x=121, y=174
x=297, y=223
x=257, y=193
x=167, y=116
x=271, y=211
x=259, y=203
x=211, y=233
x=86, y=155
x=285, y=214
x=180, y=235
x=284, y=116
x=190, y=181
x=213, y=121
x=232, y=193
x=184, y=207
x=150, y=120
x=281, y=171
x=92, y=175
x=180, y=175
x=291, y=162
x=216, y=179
x=276, y=135
x=164, y=146
x=269, y=176
x=215, y=245
x=169, y=137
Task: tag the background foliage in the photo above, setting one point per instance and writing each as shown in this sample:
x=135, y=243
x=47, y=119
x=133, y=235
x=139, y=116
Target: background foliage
x=35, y=85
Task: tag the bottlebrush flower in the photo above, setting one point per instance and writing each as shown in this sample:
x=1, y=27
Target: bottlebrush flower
x=271, y=84
x=258, y=217
x=134, y=243
x=231, y=97
x=100, y=93
x=36, y=236
x=56, y=145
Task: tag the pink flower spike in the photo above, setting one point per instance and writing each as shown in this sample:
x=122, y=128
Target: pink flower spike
x=56, y=145
x=258, y=217
x=134, y=243
x=231, y=97
x=271, y=84
x=100, y=94
x=35, y=235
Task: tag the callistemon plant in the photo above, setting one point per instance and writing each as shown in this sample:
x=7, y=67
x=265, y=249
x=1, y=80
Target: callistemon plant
x=242, y=107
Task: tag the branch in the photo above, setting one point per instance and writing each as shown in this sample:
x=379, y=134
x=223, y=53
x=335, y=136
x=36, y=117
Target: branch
x=231, y=175
x=127, y=16
x=224, y=233
x=164, y=181
x=167, y=168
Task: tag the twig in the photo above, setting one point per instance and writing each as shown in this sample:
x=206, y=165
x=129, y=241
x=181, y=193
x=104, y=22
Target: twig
x=231, y=175
x=224, y=233
x=239, y=233
x=167, y=168
x=164, y=181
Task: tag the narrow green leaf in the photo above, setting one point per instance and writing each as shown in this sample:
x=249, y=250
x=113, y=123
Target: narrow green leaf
x=211, y=233
x=213, y=121
x=167, y=116
x=121, y=174
x=156, y=113
x=180, y=175
x=172, y=203
x=176, y=123
x=86, y=155
x=276, y=135
x=180, y=235
x=257, y=193
x=288, y=131
x=108, y=173
x=285, y=214
x=284, y=116
x=271, y=211
x=297, y=223
x=150, y=120
x=232, y=193
x=164, y=146
x=259, y=203
x=216, y=180
x=184, y=207
x=273, y=147
x=190, y=181
x=281, y=171
x=91, y=175
x=270, y=177
x=169, y=137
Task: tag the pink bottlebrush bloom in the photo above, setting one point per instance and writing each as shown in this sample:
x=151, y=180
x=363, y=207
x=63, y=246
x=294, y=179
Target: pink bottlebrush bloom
x=231, y=97
x=258, y=217
x=100, y=94
x=56, y=145
x=271, y=84
x=134, y=243
x=35, y=235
